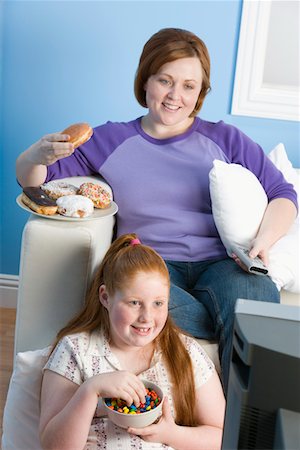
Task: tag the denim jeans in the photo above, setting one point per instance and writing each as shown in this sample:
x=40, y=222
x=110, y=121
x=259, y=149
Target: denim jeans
x=203, y=297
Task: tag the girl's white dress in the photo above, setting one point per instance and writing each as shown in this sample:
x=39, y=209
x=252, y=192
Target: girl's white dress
x=81, y=356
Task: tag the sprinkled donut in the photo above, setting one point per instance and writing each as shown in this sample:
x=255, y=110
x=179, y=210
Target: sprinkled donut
x=75, y=206
x=55, y=189
x=99, y=196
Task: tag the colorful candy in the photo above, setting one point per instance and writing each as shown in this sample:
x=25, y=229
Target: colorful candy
x=152, y=400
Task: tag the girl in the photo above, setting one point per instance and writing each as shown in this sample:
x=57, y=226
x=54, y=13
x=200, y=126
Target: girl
x=123, y=335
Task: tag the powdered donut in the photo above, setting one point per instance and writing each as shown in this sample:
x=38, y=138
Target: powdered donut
x=99, y=196
x=55, y=189
x=75, y=206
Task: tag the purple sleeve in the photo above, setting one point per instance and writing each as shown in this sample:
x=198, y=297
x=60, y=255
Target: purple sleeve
x=240, y=149
x=89, y=157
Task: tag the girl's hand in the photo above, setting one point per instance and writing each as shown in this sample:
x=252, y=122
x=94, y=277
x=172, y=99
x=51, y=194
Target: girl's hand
x=160, y=431
x=120, y=384
x=49, y=149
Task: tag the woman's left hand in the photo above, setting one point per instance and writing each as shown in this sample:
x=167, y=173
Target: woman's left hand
x=257, y=248
x=260, y=249
x=160, y=431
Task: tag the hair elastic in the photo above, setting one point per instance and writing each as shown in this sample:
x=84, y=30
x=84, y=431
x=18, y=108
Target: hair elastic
x=135, y=242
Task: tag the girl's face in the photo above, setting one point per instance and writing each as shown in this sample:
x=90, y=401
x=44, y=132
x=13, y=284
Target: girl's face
x=172, y=93
x=139, y=312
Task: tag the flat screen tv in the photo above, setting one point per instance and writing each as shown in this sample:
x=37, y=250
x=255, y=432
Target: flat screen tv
x=263, y=395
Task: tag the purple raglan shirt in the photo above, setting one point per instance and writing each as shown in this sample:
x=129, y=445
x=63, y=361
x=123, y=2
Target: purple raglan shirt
x=161, y=186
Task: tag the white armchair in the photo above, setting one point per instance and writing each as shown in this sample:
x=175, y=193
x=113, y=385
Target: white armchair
x=57, y=262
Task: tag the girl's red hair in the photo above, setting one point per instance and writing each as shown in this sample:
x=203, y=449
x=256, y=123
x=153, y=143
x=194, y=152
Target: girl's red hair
x=120, y=264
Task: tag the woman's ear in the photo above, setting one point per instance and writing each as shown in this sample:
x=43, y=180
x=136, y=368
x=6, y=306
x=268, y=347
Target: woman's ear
x=103, y=295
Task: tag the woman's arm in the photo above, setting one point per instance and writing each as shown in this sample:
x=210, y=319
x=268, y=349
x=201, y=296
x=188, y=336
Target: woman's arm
x=278, y=218
x=31, y=165
x=210, y=404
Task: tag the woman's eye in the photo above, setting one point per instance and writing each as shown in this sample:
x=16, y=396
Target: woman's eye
x=189, y=86
x=164, y=81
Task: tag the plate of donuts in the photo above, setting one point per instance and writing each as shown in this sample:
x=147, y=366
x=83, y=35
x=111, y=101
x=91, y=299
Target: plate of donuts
x=97, y=214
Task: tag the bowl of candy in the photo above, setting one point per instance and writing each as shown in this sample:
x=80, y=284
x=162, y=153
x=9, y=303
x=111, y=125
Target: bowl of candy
x=138, y=417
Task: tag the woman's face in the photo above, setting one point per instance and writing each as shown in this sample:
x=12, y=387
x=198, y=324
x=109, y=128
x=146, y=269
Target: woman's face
x=139, y=312
x=172, y=93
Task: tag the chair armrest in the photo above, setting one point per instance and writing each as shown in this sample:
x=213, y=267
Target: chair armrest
x=57, y=262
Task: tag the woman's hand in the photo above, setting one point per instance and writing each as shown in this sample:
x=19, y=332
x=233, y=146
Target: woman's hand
x=160, y=431
x=50, y=149
x=31, y=165
x=257, y=248
x=120, y=384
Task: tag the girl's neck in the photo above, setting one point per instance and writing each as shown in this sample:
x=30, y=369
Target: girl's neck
x=160, y=131
x=135, y=359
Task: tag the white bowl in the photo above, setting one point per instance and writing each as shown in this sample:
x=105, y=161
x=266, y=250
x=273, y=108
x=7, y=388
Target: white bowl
x=137, y=420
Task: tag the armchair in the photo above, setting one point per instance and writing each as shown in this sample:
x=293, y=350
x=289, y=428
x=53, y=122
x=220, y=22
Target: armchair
x=57, y=262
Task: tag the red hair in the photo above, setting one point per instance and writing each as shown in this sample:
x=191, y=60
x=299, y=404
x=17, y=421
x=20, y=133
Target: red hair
x=120, y=264
x=167, y=45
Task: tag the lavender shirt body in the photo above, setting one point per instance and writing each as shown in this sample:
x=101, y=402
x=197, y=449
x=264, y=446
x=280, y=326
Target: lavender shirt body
x=162, y=185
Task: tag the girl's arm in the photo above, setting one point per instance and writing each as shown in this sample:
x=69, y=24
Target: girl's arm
x=67, y=409
x=210, y=404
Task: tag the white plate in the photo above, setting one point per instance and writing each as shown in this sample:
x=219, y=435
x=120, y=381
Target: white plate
x=98, y=213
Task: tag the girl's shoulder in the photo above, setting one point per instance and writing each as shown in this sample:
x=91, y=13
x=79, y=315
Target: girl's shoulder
x=197, y=353
x=83, y=342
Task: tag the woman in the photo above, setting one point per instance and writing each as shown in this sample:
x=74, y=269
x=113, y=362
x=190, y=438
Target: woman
x=158, y=168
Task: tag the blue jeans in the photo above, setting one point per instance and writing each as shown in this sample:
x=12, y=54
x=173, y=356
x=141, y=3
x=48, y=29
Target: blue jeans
x=203, y=297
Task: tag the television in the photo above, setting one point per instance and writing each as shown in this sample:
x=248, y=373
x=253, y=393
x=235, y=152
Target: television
x=263, y=394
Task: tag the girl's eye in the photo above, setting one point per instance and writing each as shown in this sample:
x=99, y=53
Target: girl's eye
x=134, y=302
x=158, y=303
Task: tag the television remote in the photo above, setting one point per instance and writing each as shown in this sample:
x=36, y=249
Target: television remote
x=254, y=265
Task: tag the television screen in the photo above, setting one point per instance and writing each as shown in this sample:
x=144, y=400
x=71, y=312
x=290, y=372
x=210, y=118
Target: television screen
x=263, y=396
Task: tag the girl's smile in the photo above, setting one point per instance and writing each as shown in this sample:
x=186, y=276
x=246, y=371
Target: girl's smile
x=139, y=312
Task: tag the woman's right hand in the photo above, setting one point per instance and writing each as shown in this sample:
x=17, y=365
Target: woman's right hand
x=49, y=149
x=119, y=384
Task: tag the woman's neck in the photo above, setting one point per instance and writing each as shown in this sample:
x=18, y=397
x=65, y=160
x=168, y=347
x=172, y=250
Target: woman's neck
x=160, y=131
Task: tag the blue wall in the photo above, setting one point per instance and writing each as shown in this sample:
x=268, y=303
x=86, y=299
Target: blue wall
x=71, y=61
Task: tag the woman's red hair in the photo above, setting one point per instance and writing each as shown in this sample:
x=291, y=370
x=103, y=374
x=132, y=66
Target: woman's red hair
x=170, y=44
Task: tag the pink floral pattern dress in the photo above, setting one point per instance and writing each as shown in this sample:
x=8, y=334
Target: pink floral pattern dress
x=80, y=356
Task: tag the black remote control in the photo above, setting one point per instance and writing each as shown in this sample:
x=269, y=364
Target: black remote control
x=254, y=265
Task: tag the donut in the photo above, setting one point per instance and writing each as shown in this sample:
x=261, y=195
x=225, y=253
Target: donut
x=55, y=189
x=37, y=200
x=99, y=196
x=75, y=206
x=79, y=133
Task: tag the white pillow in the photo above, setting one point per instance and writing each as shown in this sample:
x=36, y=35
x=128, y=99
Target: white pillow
x=22, y=408
x=238, y=204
